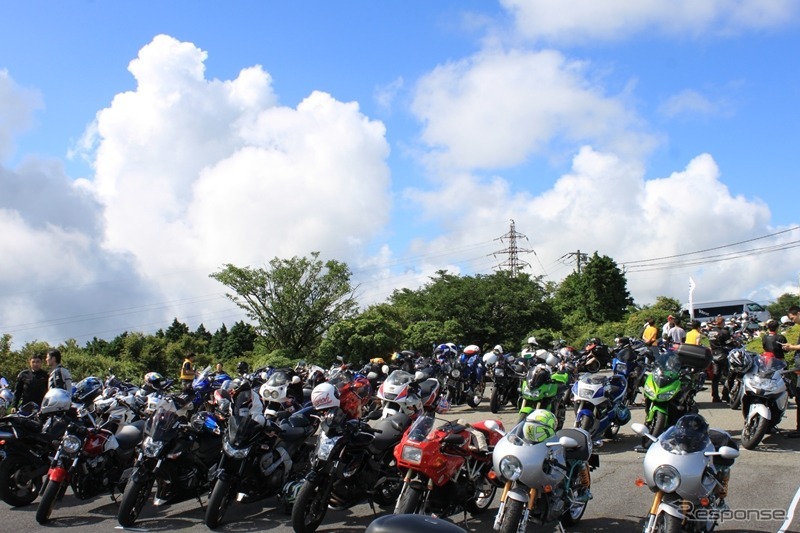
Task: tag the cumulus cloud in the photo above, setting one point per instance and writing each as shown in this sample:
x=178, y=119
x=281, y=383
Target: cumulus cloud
x=587, y=20
x=498, y=108
x=17, y=106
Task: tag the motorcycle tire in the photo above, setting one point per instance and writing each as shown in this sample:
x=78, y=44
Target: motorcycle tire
x=754, y=431
x=736, y=398
x=512, y=516
x=48, y=502
x=388, y=492
x=12, y=491
x=218, y=503
x=133, y=500
x=656, y=427
x=669, y=524
x=586, y=423
x=574, y=513
x=484, y=495
x=593, y=367
x=409, y=501
x=494, y=401
x=309, y=507
x=611, y=431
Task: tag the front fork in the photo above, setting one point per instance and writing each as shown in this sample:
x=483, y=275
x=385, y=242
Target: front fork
x=652, y=518
x=501, y=510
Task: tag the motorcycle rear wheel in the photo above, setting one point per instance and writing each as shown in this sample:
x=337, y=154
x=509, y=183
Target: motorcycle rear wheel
x=483, y=497
x=14, y=490
x=574, y=513
x=754, y=430
x=309, y=508
x=48, y=502
x=512, y=516
x=218, y=503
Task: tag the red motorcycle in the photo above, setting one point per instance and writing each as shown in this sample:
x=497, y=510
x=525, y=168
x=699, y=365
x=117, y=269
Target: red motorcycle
x=448, y=468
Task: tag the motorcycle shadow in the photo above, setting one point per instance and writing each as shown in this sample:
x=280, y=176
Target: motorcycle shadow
x=621, y=443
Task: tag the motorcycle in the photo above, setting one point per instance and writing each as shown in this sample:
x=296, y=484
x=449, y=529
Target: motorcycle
x=629, y=361
x=687, y=467
x=544, y=387
x=402, y=392
x=765, y=399
x=546, y=474
x=177, y=456
x=90, y=461
x=740, y=361
x=448, y=468
x=351, y=462
x=670, y=388
x=259, y=453
x=601, y=406
x=507, y=376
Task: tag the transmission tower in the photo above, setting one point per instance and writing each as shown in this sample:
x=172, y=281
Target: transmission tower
x=513, y=264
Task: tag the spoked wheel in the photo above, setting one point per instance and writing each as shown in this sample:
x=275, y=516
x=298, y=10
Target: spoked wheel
x=484, y=495
x=580, y=484
x=512, y=516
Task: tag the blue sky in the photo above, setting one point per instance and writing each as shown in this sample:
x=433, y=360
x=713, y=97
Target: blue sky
x=143, y=145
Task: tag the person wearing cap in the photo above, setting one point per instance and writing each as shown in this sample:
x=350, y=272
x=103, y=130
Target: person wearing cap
x=668, y=326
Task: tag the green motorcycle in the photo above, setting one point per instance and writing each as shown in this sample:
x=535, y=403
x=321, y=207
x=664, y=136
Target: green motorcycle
x=669, y=391
x=544, y=387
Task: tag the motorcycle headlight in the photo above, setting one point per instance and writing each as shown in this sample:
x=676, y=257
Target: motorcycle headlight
x=666, y=395
x=456, y=373
x=510, y=468
x=236, y=453
x=151, y=448
x=70, y=445
x=667, y=478
x=765, y=384
x=621, y=367
x=499, y=372
x=325, y=446
x=412, y=455
x=585, y=394
x=648, y=390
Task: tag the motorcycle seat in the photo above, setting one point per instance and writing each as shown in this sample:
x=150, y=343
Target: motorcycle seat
x=129, y=436
x=403, y=523
x=392, y=429
x=427, y=387
x=290, y=433
x=584, y=440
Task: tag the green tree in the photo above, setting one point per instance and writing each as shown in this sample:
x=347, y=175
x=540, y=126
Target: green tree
x=176, y=330
x=294, y=301
x=778, y=308
x=373, y=333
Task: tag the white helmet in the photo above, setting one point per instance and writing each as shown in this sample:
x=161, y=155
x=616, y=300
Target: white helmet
x=325, y=396
x=532, y=341
x=785, y=319
x=552, y=360
x=472, y=349
x=498, y=349
x=55, y=401
x=490, y=358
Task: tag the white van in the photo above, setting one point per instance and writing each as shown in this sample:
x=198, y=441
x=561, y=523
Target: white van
x=704, y=311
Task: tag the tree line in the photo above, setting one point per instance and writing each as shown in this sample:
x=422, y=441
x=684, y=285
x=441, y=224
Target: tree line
x=307, y=308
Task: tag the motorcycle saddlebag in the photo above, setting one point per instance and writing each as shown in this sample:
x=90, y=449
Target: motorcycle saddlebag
x=404, y=523
x=692, y=356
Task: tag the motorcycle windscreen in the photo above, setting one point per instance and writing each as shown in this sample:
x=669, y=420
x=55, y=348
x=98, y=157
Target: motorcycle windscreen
x=683, y=442
x=421, y=428
x=164, y=424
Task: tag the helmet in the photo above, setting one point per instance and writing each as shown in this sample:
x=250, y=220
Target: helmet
x=443, y=406
x=87, y=390
x=472, y=349
x=691, y=432
x=532, y=340
x=786, y=320
x=242, y=367
x=596, y=341
x=740, y=360
x=325, y=396
x=538, y=376
x=377, y=361
x=55, y=401
x=552, y=359
x=289, y=493
x=6, y=400
x=498, y=349
x=490, y=358
x=154, y=380
x=539, y=426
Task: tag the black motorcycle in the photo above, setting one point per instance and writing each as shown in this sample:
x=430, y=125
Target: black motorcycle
x=178, y=456
x=508, y=372
x=352, y=462
x=259, y=455
x=28, y=445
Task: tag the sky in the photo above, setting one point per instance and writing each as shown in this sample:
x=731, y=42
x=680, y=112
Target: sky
x=145, y=145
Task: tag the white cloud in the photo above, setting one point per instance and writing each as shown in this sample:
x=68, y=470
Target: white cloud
x=691, y=103
x=497, y=108
x=588, y=20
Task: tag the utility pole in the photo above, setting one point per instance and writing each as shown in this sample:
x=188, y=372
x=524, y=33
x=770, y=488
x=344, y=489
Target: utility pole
x=513, y=264
x=578, y=257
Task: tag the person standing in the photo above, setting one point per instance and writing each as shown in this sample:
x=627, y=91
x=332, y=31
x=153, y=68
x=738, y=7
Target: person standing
x=668, y=326
x=794, y=316
x=719, y=340
x=188, y=371
x=60, y=377
x=773, y=341
x=694, y=335
x=650, y=333
x=676, y=334
x=31, y=384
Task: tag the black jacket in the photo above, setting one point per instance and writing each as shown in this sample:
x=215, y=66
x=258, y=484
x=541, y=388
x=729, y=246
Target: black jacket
x=31, y=387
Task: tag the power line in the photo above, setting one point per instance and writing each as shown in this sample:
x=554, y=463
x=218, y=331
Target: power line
x=513, y=264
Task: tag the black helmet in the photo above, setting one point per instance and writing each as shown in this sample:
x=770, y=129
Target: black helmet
x=87, y=390
x=242, y=367
x=538, y=376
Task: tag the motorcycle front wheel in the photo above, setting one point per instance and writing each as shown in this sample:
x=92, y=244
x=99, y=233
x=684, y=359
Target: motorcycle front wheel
x=133, y=500
x=16, y=487
x=218, y=502
x=656, y=427
x=48, y=502
x=309, y=507
x=512, y=516
x=754, y=430
x=494, y=401
x=409, y=501
x=736, y=398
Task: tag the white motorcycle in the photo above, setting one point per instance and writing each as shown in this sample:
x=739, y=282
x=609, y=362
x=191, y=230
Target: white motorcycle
x=765, y=399
x=687, y=467
x=546, y=481
x=403, y=392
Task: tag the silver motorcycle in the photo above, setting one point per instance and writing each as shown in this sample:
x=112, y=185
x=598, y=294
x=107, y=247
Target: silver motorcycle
x=545, y=482
x=765, y=398
x=688, y=468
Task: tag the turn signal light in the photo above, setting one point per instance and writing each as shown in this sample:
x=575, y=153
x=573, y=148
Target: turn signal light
x=491, y=475
x=639, y=482
x=548, y=488
x=704, y=502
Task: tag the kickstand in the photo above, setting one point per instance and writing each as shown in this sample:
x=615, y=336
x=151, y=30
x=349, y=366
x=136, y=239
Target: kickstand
x=465, y=520
x=372, y=506
x=114, y=498
x=560, y=527
x=203, y=507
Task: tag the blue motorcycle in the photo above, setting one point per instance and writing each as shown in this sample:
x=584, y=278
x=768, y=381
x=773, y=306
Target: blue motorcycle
x=629, y=362
x=600, y=404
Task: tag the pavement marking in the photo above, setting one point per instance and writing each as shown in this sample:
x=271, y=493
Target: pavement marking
x=790, y=516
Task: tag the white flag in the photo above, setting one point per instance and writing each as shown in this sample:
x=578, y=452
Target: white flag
x=691, y=301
